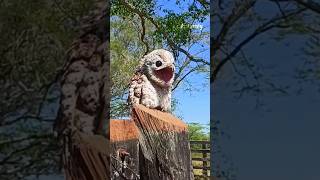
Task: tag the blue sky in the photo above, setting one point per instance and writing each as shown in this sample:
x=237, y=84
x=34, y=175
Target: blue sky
x=281, y=140
x=193, y=106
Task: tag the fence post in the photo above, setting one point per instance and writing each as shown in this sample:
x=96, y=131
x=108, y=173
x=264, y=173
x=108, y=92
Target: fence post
x=204, y=158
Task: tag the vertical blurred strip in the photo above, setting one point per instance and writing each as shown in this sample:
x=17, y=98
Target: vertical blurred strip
x=83, y=120
x=103, y=124
x=211, y=89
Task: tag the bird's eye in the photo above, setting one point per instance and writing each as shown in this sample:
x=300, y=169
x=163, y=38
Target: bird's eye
x=158, y=63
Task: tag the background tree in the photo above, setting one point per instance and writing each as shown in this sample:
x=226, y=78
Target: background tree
x=198, y=131
x=138, y=27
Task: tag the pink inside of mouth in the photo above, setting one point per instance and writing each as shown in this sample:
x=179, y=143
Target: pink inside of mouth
x=164, y=74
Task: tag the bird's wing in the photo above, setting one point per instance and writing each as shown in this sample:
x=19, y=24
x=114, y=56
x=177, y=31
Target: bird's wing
x=135, y=89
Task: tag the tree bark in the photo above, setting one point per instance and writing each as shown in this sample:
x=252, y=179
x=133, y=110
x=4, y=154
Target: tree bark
x=164, y=152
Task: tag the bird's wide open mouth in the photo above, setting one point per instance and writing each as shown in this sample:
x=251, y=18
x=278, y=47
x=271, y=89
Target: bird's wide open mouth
x=164, y=74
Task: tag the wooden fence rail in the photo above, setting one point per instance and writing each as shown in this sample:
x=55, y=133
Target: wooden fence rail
x=202, y=147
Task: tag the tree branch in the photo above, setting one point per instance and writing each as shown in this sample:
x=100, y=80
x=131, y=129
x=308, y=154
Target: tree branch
x=143, y=32
x=310, y=4
x=183, y=77
x=236, y=14
x=272, y=23
x=165, y=34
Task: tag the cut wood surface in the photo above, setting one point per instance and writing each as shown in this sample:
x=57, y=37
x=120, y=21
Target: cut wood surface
x=164, y=152
x=163, y=121
x=123, y=130
x=89, y=157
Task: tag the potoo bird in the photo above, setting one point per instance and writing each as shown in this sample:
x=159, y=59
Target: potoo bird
x=152, y=82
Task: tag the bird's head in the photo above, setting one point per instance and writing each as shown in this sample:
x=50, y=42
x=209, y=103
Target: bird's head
x=159, y=67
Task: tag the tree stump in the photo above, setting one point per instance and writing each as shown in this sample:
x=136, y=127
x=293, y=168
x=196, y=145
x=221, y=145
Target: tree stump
x=164, y=151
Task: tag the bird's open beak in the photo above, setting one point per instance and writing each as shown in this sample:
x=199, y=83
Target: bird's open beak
x=165, y=74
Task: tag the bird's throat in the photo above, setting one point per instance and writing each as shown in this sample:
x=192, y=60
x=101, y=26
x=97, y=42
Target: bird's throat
x=164, y=74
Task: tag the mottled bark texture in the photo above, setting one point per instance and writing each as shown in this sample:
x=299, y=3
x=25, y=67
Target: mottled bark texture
x=164, y=151
x=87, y=158
x=82, y=122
